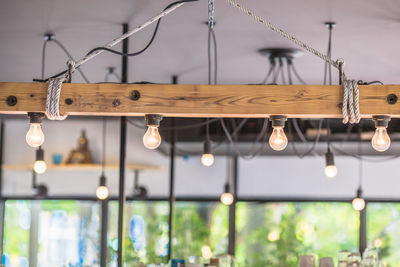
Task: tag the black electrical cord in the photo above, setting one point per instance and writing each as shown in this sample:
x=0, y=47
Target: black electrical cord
x=65, y=50
x=103, y=159
x=149, y=43
x=120, y=53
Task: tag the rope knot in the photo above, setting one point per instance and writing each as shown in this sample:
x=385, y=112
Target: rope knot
x=53, y=99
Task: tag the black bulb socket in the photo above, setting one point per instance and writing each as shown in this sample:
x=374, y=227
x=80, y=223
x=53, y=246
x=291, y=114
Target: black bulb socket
x=35, y=117
x=153, y=119
x=381, y=121
x=39, y=154
x=278, y=120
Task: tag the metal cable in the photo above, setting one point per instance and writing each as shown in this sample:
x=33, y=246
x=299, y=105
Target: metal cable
x=284, y=33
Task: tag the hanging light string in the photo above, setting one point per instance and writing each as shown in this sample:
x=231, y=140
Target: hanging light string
x=103, y=158
x=350, y=108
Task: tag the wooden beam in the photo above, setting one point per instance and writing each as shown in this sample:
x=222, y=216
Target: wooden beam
x=302, y=101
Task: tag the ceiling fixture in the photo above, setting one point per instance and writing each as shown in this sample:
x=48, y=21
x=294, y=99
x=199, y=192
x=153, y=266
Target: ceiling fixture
x=227, y=197
x=35, y=136
x=152, y=138
x=330, y=168
x=278, y=140
x=102, y=191
x=381, y=140
x=207, y=159
x=40, y=165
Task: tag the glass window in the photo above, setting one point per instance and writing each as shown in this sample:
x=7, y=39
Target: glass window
x=276, y=234
x=51, y=233
x=198, y=225
x=383, y=231
x=146, y=232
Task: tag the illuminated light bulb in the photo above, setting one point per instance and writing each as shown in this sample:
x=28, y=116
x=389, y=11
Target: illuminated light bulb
x=274, y=236
x=207, y=159
x=358, y=202
x=278, y=140
x=152, y=138
x=206, y=252
x=40, y=165
x=381, y=140
x=330, y=169
x=227, y=199
x=102, y=190
x=35, y=136
x=378, y=243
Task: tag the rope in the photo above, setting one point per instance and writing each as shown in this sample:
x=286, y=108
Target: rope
x=211, y=11
x=53, y=99
x=350, y=109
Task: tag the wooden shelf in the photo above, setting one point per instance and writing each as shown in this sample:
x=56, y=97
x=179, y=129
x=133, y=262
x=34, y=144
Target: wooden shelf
x=82, y=167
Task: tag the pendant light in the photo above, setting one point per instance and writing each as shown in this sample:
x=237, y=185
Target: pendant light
x=278, y=140
x=207, y=158
x=152, y=138
x=40, y=165
x=227, y=197
x=35, y=136
x=102, y=191
x=330, y=167
x=359, y=202
x=381, y=140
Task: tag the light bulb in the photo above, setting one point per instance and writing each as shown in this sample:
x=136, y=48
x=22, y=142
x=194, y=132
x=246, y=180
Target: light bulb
x=273, y=236
x=35, y=136
x=227, y=198
x=152, y=138
x=278, y=140
x=40, y=166
x=358, y=203
x=206, y=252
x=381, y=140
x=207, y=160
x=331, y=171
x=102, y=192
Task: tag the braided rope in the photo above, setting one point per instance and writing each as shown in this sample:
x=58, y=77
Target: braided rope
x=211, y=11
x=351, y=99
x=53, y=99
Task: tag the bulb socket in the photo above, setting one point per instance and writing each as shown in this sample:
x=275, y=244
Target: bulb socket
x=227, y=188
x=381, y=121
x=102, y=180
x=278, y=120
x=329, y=158
x=35, y=117
x=39, y=154
x=359, y=193
x=207, y=147
x=153, y=119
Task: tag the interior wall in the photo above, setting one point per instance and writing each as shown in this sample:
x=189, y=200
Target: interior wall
x=261, y=177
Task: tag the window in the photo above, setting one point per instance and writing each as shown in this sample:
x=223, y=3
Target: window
x=383, y=231
x=275, y=234
x=145, y=233
x=199, y=224
x=51, y=233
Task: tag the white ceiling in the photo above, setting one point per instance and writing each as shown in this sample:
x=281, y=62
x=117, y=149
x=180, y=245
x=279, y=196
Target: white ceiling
x=366, y=36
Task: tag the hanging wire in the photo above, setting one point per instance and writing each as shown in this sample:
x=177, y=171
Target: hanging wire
x=103, y=159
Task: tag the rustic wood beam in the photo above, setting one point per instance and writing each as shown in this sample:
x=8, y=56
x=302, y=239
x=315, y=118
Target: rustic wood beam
x=301, y=101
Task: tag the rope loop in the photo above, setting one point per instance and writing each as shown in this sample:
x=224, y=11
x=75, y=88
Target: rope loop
x=71, y=69
x=351, y=101
x=53, y=99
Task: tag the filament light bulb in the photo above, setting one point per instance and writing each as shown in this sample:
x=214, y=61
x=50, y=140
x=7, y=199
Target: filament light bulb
x=330, y=169
x=40, y=166
x=278, y=140
x=35, y=136
x=207, y=160
x=102, y=190
x=358, y=203
x=152, y=138
x=227, y=198
x=381, y=140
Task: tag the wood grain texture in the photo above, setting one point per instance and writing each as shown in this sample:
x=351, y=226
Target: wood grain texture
x=301, y=101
